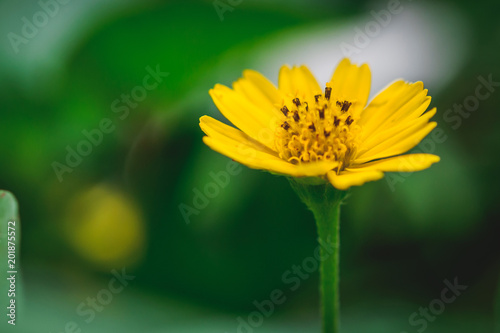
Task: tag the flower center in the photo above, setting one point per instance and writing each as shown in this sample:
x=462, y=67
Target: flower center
x=323, y=129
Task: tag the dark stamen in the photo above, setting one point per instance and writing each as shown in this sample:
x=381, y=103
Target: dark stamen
x=296, y=101
x=336, y=121
x=316, y=97
x=344, y=106
x=312, y=127
x=307, y=106
x=285, y=126
x=348, y=121
x=328, y=91
x=327, y=133
x=321, y=113
x=284, y=109
x=296, y=116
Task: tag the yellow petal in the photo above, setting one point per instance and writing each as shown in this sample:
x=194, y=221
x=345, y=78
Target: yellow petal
x=397, y=145
x=298, y=82
x=404, y=163
x=313, y=169
x=258, y=123
x=351, y=83
x=388, y=133
x=382, y=98
x=221, y=131
x=400, y=101
x=264, y=85
x=240, y=147
x=347, y=179
x=255, y=159
x=260, y=91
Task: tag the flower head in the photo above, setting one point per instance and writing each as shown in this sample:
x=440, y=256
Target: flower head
x=301, y=130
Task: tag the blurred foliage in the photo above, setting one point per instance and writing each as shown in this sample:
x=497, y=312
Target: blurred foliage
x=12, y=297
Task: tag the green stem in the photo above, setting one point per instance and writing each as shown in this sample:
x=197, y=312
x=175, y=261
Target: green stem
x=327, y=222
x=324, y=201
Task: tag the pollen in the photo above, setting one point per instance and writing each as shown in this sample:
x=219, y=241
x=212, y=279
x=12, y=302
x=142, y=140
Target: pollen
x=322, y=128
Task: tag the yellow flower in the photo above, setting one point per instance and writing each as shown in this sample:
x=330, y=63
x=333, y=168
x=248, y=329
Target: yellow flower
x=331, y=134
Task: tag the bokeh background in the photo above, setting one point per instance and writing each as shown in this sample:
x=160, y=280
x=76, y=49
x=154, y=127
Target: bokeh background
x=117, y=209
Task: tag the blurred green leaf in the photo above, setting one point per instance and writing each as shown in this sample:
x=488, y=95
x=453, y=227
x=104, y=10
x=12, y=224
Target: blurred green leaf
x=10, y=232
